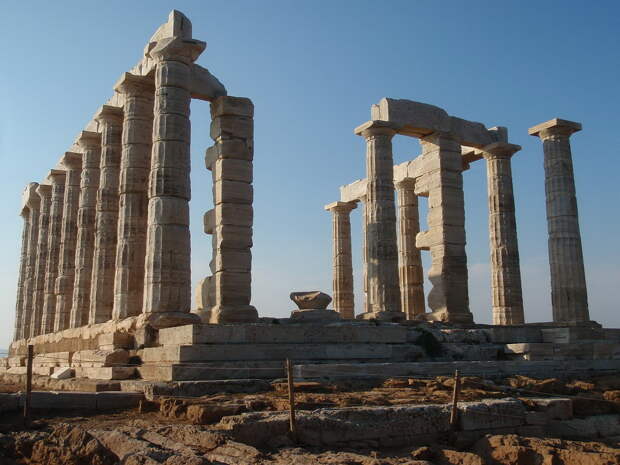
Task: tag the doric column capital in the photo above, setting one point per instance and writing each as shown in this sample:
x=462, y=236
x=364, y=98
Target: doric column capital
x=375, y=128
x=499, y=150
x=44, y=191
x=72, y=160
x=405, y=184
x=109, y=114
x=132, y=84
x=89, y=140
x=56, y=176
x=341, y=207
x=31, y=199
x=177, y=49
x=554, y=128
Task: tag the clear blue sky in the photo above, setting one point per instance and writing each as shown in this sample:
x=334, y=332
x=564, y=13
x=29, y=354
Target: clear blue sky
x=313, y=69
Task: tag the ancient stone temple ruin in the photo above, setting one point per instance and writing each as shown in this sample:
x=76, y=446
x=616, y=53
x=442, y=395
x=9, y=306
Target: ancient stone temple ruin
x=104, y=281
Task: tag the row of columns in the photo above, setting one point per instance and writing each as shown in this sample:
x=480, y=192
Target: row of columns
x=393, y=267
x=108, y=237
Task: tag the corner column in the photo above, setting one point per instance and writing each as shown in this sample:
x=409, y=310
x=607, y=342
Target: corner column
x=381, y=242
x=66, y=264
x=442, y=163
x=230, y=161
x=44, y=191
x=57, y=179
x=110, y=119
x=569, y=294
x=138, y=95
x=411, y=273
x=19, y=304
x=505, y=270
x=167, y=292
x=33, y=202
x=90, y=142
x=342, y=259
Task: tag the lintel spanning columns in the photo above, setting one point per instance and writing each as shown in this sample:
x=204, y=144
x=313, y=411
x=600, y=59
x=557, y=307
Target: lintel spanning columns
x=45, y=193
x=33, y=202
x=57, y=179
x=138, y=95
x=569, y=295
x=342, y=259
x=63, y=289
x=381, y=243
x=505, y=270
x=110, y=119
x=90, y=143
x=411, y=273
x=167, y=292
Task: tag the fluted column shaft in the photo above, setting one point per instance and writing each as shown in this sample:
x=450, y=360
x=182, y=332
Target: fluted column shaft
x=106, y=221
x=364, y=256
x=66, y=264
x=23, y=258
x=57, y=178
x=503, y=244
x=381, y=242
x=45, y=193
x=411, y=273
x=342, y=260
x=167, y=273
x=90, y=143
x=135, y=165
x=33, y=201
x=569, y=295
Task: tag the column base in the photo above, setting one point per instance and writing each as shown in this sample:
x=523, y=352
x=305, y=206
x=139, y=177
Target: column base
x=382, y=316
x=314, y=315
x=447, y=317
x=159, y=320
x=233, y=314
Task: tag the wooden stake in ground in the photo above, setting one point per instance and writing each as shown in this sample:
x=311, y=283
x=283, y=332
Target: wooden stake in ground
x=291, y=400
x=455, y=400
x=28, y=385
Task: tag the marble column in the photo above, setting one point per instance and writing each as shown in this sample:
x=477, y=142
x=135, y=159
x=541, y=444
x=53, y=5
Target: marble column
x=442, y=164
x=342, y=259
x=90, y=143
x=411, y=273
x=33, y=202
x=167, y=293
x=72, y=162
x=569, y=295
x=381, y=242
x=45, y=193
x=505, y=270
x=23, y=258
x=110, y=119
x=138, y=95
x=364, y=256
x=57, y=179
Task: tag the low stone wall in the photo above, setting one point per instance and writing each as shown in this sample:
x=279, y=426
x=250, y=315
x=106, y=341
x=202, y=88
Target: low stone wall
x=51, y=400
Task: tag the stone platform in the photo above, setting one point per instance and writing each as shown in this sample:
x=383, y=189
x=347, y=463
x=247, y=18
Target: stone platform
x=353, y=348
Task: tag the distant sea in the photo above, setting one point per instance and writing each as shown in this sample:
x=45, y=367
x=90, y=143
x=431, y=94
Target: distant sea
x=4, y=353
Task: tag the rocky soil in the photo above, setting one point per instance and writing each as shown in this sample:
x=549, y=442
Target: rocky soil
x=185, y=431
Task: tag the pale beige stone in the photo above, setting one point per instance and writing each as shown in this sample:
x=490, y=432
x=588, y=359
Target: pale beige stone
x=22, y=274
x=569, y=294
x=311, y=300
x=33, y=202
x=45, y=193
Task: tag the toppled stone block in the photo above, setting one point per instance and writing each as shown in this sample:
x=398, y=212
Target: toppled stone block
x=311, y=300
x=555, y=409
x=491, y=413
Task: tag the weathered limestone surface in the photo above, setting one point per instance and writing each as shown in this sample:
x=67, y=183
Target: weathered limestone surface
x=443, y=184
x=411, y=273
x=33, y=202
x=22, y=273
x=66, y=267
x=230, y=222
x=57, y=179
x=503, y=244
x=106, y=219
x=90, y=142
x=310, y=300
x=167, y=298
x=569, y=294
x=135, y=165
x=45, y=193
x=381, y=243
x=342, y=259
